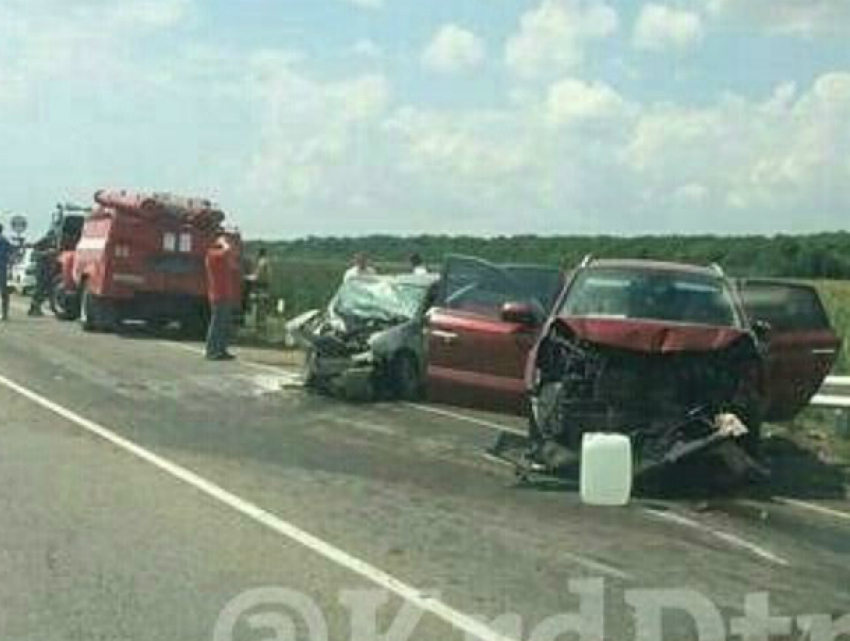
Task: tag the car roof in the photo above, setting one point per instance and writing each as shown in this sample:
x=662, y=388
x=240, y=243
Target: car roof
x=653, y=265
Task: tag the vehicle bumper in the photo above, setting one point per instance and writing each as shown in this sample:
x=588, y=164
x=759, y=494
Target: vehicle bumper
x=350, y=377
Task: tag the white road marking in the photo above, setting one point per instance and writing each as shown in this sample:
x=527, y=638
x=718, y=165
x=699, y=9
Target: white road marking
x=465, y=419
x=421, y=599
x=814, y=507
x=731, y=539
x=261, y=366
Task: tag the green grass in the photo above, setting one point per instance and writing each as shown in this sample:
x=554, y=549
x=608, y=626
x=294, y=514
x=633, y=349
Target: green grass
x=836, y=298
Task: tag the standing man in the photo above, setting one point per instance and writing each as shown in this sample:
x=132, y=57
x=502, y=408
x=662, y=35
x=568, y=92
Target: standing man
x=224, y=294
x=417, y=265
x=6, y=250
x=44, y=255
x=361, y=267
x=258, y=281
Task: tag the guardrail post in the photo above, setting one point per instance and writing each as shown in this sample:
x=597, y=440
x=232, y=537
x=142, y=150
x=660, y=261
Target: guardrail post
x=842, y=422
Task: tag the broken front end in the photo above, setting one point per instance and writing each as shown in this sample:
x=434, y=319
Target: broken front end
x=368, y=343
x=682, y=394
x=340, y=358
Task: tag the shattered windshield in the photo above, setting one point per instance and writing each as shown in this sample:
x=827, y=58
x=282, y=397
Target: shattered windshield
x=379, y=299
x=673, y=297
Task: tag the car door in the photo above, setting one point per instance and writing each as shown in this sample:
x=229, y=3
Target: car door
x=802, y=345
x=475, y=357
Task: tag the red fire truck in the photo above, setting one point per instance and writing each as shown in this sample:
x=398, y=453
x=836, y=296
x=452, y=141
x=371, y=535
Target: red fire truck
x=139, y=257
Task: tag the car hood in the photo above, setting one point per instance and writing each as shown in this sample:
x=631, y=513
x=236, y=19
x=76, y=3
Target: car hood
x=653, y=337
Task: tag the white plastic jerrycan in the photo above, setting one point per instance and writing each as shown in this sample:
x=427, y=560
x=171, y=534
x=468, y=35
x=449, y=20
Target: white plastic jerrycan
x=606, y=469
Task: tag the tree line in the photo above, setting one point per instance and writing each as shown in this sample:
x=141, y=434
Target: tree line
x=814, y=256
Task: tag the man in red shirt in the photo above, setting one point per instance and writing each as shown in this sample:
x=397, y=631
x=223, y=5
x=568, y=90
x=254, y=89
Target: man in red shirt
x=224, y=293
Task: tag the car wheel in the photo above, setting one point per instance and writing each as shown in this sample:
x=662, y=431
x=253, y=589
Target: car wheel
x=64, y=303
x=546, y=422
x=406, y=378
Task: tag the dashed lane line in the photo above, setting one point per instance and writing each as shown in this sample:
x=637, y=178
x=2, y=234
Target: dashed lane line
x=465, y=419
x=727, y=537
x=814, y=507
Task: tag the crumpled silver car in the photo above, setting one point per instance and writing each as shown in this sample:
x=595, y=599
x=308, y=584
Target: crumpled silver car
x=368, y=343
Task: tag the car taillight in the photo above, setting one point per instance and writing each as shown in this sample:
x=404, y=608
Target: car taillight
x=122, y=251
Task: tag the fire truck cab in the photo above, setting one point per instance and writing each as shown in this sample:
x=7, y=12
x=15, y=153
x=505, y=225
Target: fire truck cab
x=140, y=257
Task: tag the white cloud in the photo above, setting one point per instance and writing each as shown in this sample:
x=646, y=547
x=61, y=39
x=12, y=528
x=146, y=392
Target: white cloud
x=662, y=28
x=807, y=18
x=367, y=48
x=454, y=49
x=572, y=101
x=87, y=41
x=316, y=138
x=367, y=4
x=553, y=36
x=474, y=145
x=779, y=157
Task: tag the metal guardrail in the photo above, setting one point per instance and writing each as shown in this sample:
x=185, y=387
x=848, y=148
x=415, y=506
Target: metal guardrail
x=840, y=402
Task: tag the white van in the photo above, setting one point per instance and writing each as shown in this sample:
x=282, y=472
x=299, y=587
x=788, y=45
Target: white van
x=22, y=273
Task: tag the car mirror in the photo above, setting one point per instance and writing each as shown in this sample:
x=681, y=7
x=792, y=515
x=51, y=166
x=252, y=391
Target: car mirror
x=762, y=329
x=521, y=313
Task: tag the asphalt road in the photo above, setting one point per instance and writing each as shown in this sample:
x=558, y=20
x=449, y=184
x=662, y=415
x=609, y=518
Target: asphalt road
x=143, y=488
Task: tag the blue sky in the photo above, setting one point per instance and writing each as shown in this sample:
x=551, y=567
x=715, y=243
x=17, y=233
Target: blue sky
x=311, y=117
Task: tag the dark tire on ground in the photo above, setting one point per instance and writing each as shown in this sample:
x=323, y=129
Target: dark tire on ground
x=195, y=324
x=95, y=314
x=64, y=303
x=308, y=372
x=405, y=377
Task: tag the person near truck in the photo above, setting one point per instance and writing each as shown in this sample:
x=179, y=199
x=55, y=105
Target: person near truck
x=417, y=264
x=6, y=251
x=257, y=283
x=361, y=267
x=224, y=294
x=44, y=253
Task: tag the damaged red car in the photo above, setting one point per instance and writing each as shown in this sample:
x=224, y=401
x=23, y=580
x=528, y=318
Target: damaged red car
x=682, y=359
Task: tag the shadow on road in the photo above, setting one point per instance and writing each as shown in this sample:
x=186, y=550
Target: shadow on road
x=795, y=472
x=799, y=472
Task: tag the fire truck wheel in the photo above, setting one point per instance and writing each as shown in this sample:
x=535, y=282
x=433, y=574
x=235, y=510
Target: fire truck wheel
x=94, y=313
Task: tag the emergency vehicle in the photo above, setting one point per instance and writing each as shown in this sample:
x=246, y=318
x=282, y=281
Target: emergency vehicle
x=140, y=257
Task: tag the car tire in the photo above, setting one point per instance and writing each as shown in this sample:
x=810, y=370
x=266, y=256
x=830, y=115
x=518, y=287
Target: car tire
x=64, y=304
x=406, y=377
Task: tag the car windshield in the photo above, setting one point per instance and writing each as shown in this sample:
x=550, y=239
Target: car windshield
x=653, y=295
x=379, y=299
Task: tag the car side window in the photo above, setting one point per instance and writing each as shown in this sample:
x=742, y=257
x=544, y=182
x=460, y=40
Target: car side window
x=476, y=287
x=787, y=307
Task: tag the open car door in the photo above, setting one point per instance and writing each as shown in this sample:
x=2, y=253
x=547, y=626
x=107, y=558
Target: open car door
x=802, y=348
x=481, y=329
